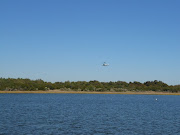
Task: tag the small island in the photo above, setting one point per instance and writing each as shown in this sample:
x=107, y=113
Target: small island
x=20, y=85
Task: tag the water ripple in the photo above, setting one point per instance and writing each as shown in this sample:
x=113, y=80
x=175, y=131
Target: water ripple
x=89, y=114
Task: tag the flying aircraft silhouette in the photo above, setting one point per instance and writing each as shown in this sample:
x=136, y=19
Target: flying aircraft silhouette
x=105, y=64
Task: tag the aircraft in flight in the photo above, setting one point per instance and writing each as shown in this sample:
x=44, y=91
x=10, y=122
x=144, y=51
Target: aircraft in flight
x=105, y=64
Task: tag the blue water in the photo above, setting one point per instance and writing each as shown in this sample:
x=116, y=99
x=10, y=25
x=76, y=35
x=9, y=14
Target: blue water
x=89, y=114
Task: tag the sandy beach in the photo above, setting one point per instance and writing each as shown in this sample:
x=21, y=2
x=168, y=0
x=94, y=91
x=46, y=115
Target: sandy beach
x=92, y=92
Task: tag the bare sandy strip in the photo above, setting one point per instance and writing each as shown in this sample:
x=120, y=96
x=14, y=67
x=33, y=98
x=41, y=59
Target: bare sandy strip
x=93, y=92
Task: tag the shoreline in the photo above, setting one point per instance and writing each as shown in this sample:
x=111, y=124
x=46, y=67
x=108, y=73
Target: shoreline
x=88, y=92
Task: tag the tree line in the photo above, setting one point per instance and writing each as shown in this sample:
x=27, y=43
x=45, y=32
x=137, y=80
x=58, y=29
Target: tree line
x=12, y=84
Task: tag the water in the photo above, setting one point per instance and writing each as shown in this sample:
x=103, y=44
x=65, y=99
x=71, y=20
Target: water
x=89, y=114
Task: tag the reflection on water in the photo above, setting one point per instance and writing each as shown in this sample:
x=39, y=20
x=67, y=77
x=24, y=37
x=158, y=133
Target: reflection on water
x=22, y=114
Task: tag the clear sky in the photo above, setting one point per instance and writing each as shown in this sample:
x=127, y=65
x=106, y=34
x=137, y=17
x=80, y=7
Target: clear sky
x=60, y=40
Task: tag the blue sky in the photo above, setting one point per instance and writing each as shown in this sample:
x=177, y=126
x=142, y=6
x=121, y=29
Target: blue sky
x=60, y=40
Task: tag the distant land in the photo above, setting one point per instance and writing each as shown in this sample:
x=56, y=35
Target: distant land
x=20, y=85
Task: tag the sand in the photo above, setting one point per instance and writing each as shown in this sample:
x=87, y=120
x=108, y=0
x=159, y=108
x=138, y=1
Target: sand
x=92, y=92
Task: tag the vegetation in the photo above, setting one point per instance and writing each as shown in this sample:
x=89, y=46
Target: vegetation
x=11, y=84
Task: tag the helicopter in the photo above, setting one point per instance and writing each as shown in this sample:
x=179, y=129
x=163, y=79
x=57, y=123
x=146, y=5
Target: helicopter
x=105, y=64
